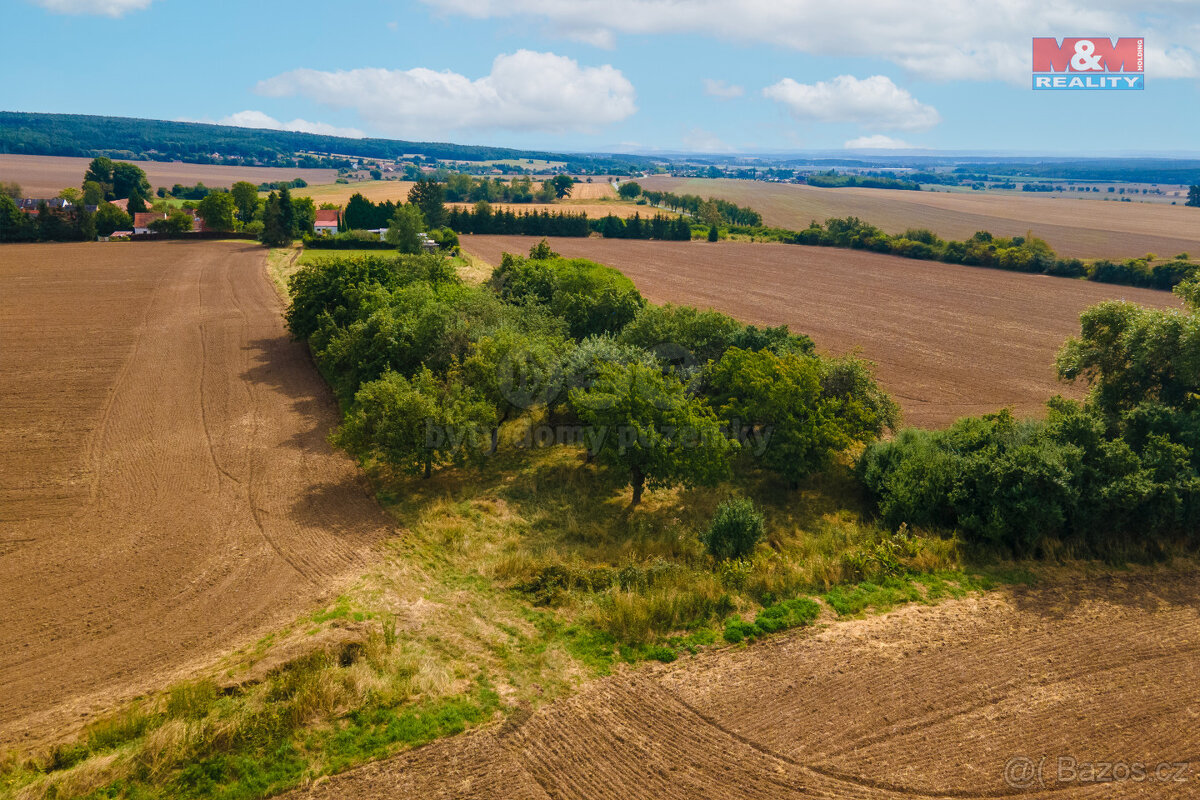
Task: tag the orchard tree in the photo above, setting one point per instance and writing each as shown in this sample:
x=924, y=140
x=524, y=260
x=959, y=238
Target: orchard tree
x=782, y=401
x=245, y=196
x=647, y=424
x=514, y=371
x=414, y=425
x=404, y=228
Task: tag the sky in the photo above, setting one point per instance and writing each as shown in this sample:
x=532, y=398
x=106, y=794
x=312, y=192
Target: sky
x=727, y=76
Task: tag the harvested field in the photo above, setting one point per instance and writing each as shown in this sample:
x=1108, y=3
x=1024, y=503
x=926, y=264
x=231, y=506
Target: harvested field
x=597, y=199
x=46, y=176
x=166, y=490
x=947, y=340
x=1074, y=227
x=924, y=702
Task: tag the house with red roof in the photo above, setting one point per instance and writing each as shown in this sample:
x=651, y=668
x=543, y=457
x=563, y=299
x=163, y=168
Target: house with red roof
x=327, y=221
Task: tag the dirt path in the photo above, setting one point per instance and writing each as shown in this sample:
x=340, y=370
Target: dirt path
x=166, y=490
x=948, y=340
x=925, y=702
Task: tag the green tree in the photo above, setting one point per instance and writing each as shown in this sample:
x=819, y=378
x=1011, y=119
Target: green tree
x=429, y=197
x=136, y=204
x=109, y=218
x=404, y=228
x=1130, y=354
x=101, y=171
x=217, y=211
x=275, y=232
x=1193, y=196
x=71, y=195
x=712, y=233
x=129, y=178
x=782, y=401
x=514, y=371
x=561, y=184
x=541, y=251
x=14, y=223
x=10, y=189
x=93, y=193
x=414, y=425
x=359, y=213
x=648, y=425
x=175, y=223
x=304, y=213
x=629, y=190
x=245, y=196
x=287, y=212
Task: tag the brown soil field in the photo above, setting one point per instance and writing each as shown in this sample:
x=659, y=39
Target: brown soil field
x=46, y=176
x=166, y=490
x=1074, y=227
x=947, y=340
x=985, y=697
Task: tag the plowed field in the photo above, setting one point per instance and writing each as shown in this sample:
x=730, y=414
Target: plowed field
x=1012, y=694
x=1076, y=227
x=166, y=490
x=46, y=176
x=947, y=340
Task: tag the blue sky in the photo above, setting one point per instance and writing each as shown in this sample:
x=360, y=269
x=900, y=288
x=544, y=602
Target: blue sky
x=674, y=75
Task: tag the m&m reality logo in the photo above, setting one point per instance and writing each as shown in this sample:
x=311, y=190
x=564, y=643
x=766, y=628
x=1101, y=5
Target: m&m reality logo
x=1089, y=63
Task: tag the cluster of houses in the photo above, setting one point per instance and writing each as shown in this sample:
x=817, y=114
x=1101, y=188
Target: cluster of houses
x=327, y=225
x=141, y=219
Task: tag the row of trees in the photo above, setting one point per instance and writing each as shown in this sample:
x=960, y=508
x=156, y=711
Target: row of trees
x=429, y=368
x=1018, y=253
x=1119, y=473
x=712, y=211
x=661, y=227
x=463, y=188
x=483, y=219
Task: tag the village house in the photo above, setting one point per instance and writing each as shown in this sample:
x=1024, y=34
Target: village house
x=327, y=221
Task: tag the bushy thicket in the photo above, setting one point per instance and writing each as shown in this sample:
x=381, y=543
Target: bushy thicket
x=426, y=367
x=1118, y=473
x=736, y=528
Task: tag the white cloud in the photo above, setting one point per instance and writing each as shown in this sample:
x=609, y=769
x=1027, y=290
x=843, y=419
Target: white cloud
x=108, y=8
x=722, y=90
x=877, y=142
x=257, y=119
x=874, y=101
x=525, y=91
x=946, y=40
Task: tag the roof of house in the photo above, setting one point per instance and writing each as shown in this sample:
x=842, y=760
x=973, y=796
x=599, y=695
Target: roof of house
x=327, y=215
x=142, y=219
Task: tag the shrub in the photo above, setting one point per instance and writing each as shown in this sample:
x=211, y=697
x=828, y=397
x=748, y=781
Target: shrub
x=735, y=530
